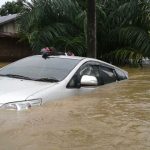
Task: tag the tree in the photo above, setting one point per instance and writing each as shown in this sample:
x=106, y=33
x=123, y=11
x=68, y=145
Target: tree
x=82, y=4
x=11, y=8
x=122, y=31
x=122, y=27
x=53, y=23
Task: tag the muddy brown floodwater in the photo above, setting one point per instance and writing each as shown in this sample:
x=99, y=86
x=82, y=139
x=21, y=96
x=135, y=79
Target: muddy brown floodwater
x=114, y=117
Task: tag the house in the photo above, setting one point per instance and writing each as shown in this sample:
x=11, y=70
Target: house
x=11, y=48
x=7, y=24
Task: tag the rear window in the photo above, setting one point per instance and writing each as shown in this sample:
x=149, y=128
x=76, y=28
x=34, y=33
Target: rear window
x=108, y=75
x=121, y=75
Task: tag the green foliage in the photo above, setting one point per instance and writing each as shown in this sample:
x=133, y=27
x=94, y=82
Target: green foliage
x=53, y=23
x=122, y=27
x=82, y=3
x=11, y=8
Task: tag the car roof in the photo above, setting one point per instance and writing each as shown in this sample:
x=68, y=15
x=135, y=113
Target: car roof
x=61, y=56
x=76, y=58
x=79, y=58
x=69, y=57
x=84, y=59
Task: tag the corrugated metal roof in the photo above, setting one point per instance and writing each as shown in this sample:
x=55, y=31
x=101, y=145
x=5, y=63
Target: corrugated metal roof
x=5, y=19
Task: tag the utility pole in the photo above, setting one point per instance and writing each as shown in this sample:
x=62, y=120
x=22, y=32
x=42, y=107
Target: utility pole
x=91, y=28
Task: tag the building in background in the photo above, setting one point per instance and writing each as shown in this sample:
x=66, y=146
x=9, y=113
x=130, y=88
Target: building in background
x=11, y=48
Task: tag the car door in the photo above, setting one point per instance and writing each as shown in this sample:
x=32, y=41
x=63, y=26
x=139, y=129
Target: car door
x=89, y=68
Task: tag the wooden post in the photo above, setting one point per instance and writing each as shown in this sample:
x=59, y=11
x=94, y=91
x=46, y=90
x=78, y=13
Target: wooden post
x=91, y=28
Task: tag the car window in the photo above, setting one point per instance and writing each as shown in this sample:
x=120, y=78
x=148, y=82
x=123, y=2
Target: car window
x=121, y=75
x=91, y=69
x=108, y=74
x=87, y=70
x=36, y=67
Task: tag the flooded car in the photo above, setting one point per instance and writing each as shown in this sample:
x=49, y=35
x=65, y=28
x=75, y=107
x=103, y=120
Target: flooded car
x=35, y=80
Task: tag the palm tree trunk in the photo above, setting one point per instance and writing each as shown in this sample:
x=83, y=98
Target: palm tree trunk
x=91, y=28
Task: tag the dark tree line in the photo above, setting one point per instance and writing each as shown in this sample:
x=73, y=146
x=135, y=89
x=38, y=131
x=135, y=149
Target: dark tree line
x=122, y=27
x=12, y=7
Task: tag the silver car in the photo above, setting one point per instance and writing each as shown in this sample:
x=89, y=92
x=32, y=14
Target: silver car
x=35, y=80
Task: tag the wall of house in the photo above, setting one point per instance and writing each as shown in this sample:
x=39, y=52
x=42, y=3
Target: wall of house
x=9, y=27
x=11, y=49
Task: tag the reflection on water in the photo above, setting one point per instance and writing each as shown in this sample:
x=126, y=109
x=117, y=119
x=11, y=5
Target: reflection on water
x=114, y=117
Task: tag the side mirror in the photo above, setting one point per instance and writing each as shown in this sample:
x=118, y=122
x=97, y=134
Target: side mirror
x=87, y=80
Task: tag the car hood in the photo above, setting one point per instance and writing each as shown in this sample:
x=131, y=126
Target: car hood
x=12, y=89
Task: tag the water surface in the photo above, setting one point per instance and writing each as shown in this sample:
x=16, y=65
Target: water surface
x=114, y=117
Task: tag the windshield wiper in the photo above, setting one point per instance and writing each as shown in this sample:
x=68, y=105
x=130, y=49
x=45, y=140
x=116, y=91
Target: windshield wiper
x=27, y=78
x=47, y=80
x=16, y=76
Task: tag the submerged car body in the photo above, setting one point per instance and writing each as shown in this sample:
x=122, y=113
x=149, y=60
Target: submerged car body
x=35, y=80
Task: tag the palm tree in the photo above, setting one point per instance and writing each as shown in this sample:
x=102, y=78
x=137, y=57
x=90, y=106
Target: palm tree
x=123, y=27
x=53, y=23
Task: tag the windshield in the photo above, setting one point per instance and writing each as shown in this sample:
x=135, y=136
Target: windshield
x=37, y=68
